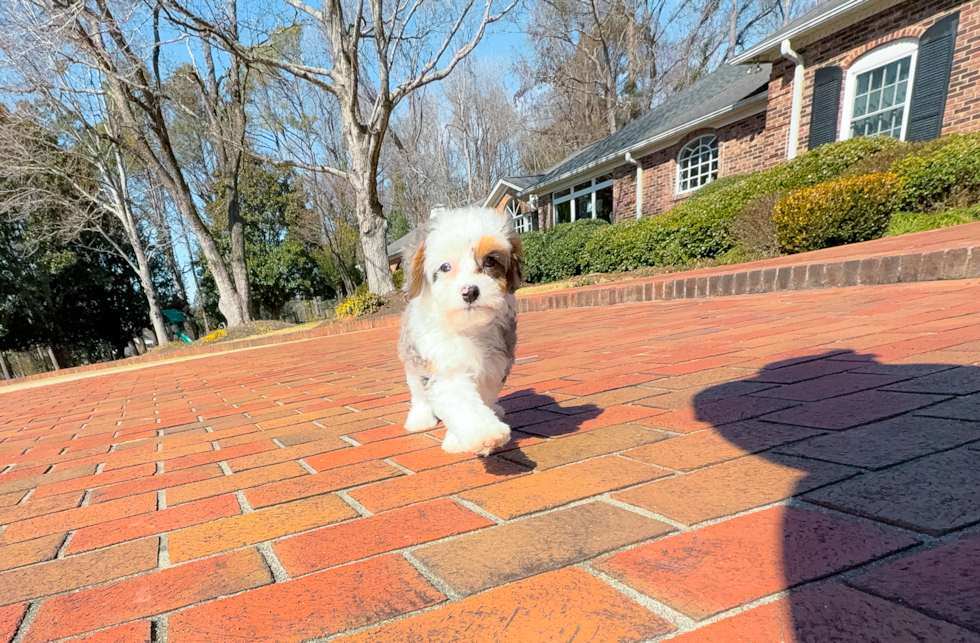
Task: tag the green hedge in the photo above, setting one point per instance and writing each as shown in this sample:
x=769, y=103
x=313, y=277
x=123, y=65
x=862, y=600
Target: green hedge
x=945, y=173
x=700, y=227
x=556, y=254
x=837, y=212
x=909, y=222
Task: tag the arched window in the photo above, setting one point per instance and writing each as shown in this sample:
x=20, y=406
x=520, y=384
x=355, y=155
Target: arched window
x=522, y=222
x=878, y=90
x=697, y=163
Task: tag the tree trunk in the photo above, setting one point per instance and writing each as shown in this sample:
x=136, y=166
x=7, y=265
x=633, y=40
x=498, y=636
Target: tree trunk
x=3, y=365
x=373, y=228
x=236, y=230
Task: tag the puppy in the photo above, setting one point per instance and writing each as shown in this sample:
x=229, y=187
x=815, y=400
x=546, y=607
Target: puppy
x=459, y=330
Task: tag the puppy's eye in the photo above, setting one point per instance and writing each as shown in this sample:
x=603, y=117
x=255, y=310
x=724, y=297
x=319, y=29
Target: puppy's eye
x=489, y=262
x=445, y=267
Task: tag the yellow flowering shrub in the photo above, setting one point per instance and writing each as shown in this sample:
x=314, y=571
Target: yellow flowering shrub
x=213, y=336
x=833, y=213
x=363, y=303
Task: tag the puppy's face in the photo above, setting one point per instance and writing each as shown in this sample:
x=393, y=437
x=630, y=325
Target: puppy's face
x=468, y=263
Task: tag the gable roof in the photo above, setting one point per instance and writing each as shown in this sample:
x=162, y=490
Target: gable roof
x=709, y=98
x=824, y=19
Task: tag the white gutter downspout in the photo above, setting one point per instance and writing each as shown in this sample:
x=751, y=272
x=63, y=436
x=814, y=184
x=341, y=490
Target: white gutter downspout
x=794, y=119
x=639, y=184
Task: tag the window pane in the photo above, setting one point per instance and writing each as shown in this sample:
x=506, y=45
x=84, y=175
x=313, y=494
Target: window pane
x=604, y=178
x=563, y=212
x=879, y=101
x=604, y=204
x=558, y=195
x=583, y=207
x=583, y=186
x=861, y=105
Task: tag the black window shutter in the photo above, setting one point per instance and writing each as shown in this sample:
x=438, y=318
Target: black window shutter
x=931, y=82
x=824, y=106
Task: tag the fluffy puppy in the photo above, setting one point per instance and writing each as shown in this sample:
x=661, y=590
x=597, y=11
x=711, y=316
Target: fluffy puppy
x=459, y=330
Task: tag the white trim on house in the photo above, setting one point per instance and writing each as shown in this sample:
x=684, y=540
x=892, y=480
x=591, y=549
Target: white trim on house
x=770, y=45
x=573, y=195
x=755, y=104
x=500, y=187
x=697, y=170
x=876, y=59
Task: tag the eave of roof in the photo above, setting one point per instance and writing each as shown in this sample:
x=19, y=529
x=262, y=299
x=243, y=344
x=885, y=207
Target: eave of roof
x=646, y=144
x=811, y=26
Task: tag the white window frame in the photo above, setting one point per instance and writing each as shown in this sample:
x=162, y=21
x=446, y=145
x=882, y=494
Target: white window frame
x=884, y=55
x=572, y=195
x=696, y=142
x=522, y=222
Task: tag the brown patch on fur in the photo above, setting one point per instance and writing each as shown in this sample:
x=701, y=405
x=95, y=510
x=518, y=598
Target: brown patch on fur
x=514, y=265
x=416, y=273
x=488, y=245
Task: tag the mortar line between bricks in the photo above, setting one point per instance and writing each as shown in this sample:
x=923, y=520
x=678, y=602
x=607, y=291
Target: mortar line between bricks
x=475, y=508
x=404, y=470
x=26, y=621
x=674, y=617
x=158, y=629
x=432, y=577
x=276, y=568
x=358, y=507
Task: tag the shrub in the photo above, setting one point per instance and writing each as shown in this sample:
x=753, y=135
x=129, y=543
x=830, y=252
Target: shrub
x=557, y=253
x=908, y=222
x=941, y=175
x=754, y=227
x=362, y=303
x=399, y=278
x=837, y=212
x=701, y=226
x=214, y=336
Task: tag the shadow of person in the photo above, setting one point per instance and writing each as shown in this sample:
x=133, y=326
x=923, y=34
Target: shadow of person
x=881, y=466
x=527, y=419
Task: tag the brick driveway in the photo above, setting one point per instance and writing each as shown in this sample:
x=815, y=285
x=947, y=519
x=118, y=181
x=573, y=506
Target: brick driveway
x=677, y=468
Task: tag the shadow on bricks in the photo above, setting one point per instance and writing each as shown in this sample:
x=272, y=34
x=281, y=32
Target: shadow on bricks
x=525, y=417
x=874, y=471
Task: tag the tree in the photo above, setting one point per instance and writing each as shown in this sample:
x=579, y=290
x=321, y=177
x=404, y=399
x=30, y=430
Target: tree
x=280, y=263
x=75, y=54
x=70, y=189
x=376, y=55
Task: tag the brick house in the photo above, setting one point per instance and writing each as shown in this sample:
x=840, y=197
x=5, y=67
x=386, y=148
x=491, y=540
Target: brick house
x=846, y=68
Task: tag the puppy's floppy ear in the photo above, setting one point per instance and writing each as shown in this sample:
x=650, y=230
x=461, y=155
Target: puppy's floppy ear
x=514, y=265
x=413, y=261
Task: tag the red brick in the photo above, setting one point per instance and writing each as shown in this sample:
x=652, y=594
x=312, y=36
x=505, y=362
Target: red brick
x=121, y=462
x=248, y=529
x=78, y=518
x=149, y=594
x=30, y=551
x=10, y=618
x=240, y=451
x=40, y=507
x=319, y=483
x=158, y=522
x=550, y=608
x=236, y=482
x=827, y=613
x=591, y=420
x=435, y=457
x=315, y=606
x=434, y=483
x=731, y=487
x=91, y=482
x=703, y=448
x=78, y=571
x=562, y=485
x=523, y=548
x=722, y=566
x=130, y=633
x=942, y=582
x=374, y=535
x=582, y=446
x=156, y=482
x=851, y=410
x=373, y=451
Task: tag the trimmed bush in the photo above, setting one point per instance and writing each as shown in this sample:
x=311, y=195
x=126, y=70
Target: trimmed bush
x=362, y=303
x=837, y=212
x=214, y=336
x=754, y=227
x=557, y=253
x=944, y=174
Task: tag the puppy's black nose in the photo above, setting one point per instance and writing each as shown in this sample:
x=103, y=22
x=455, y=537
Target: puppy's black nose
x=470, y=293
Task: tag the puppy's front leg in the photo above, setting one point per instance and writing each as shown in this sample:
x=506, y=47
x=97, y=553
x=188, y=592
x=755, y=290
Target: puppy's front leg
x=420, y=416
x=471, y=425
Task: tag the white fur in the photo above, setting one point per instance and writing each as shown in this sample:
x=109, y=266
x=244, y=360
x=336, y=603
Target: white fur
x=463, y=345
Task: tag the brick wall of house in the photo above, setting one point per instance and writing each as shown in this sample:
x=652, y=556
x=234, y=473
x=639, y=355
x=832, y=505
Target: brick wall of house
x=905, y=20
x=544, y=212
x=738, y=150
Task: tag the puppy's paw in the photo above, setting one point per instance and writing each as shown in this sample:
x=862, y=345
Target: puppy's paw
x=498, y=410
x=420, y=418
x=480, y=441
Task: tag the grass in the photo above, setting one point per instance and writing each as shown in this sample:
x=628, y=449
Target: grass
x=909, y=222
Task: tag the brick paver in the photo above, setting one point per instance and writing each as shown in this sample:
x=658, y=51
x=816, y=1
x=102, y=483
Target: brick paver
x=792, y=466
